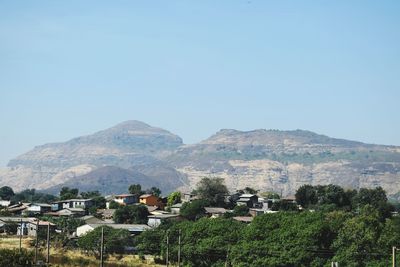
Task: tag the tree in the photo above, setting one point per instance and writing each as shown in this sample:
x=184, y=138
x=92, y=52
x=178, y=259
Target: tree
x=135, y=189
x=155, y=191
x=6, y=193
x=356, y=242
x=113, y=205
x=213, y=190
x=270, y=195
x=283, y=239
x=16, y=257
x=114, y=240
x=250, y=190
x=306, y=195
x=204, y=242
x=194, y=210
x=31, y=195
x=68, y=193
x=174, y=198
x=131, y=214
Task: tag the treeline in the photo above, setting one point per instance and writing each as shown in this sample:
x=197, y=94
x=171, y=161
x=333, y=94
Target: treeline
x=353, y=228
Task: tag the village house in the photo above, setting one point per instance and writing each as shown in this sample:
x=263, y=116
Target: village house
x=125, y=199
x=176, y=208
x=151, y=200
x=36, y=209
x=248, y=200
x=134, y=229
x=156, y=219
x=72, y=203
x=33, y=226
x=71, y=212
x=214, y=212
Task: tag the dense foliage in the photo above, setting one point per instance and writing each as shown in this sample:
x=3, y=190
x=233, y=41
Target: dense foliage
x=31, y=195
x=213, y=190
x=115, y=240
x=131, y=214
x=16, y=258
x=6, y=193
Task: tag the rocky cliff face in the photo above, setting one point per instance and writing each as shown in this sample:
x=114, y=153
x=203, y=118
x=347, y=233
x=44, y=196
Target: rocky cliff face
x=131, y=144
x=283, y=160
x=263, y=159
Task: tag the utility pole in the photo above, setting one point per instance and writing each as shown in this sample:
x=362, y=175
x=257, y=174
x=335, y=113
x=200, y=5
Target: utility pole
x=102, y=247
x=37, y=240
x=179, y=248
x=48, y=244
x=20, y=236
x=167, y=249
x=394, y=256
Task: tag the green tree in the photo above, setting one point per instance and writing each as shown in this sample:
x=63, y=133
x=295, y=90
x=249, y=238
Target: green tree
x=131, y=214
x=194, y=210
x=213, y=190
x=283, y=239
x=16, y=258
x=114, y=240
x=136, y=189
x=155, y=191
x=113, y=205
x=356, y=244
x=306, y=195
x=6, y=193
x=68, y=193
x=174, y=198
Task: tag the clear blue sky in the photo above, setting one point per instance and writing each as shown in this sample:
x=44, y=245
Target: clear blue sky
x=69, y=68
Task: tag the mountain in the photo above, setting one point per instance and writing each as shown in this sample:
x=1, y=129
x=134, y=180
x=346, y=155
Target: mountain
x=134, y=152
x=127, y=145
x=284, y=160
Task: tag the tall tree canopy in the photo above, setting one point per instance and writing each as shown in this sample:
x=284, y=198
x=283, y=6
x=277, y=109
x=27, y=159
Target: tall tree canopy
x=213, y=190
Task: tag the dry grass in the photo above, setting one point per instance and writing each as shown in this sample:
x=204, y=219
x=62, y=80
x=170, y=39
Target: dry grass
x=13, y=242
x=75, y=258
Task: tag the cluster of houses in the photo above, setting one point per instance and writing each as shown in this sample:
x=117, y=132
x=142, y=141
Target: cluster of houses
x=24, y=214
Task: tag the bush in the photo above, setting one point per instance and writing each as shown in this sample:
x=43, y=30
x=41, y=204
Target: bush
x=15, y=258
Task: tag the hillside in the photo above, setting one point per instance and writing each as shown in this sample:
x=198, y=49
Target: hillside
x=262, y=159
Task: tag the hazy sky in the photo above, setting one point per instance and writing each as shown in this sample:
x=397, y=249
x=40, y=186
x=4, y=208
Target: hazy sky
x=69, y=68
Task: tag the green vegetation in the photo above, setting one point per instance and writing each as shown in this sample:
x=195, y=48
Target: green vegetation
x=6, y=193
x=114, y=240
x=131, y=214
x=68, y=193
x=173, y=198
x=15, y=258
x=31, y=195
x=212, y=190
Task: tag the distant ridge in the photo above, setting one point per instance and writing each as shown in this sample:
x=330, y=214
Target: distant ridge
x=268, y=160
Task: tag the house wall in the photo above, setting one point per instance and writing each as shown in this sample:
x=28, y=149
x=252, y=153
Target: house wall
x=82, y=230
x=150, y=201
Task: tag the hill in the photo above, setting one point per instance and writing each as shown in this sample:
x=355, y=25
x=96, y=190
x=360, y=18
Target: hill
x=263, y=159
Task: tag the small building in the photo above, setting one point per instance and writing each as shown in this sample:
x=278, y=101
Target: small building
x=134, y=229
x=5, y=203
x=37, y=208
x=72, y=203
x=157, y=219
x=18, y=208
x=43, y=225
x=249, y=200
x=72, y=212
x=125, y=199
x=188, y=197
x=151, y=200
x=215, y=212
x=176, y=208
x=256, y=212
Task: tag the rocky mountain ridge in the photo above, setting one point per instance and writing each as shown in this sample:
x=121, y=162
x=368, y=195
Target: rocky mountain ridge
x=267, y=160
